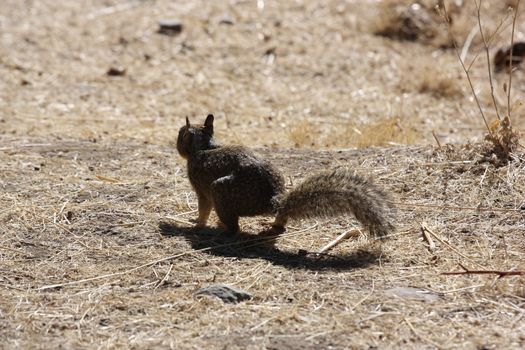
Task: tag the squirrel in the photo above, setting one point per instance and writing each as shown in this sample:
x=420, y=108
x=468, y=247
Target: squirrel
x=237, y=183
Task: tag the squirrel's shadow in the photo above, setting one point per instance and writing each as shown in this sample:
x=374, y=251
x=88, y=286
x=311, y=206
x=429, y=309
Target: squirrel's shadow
x=250, y=246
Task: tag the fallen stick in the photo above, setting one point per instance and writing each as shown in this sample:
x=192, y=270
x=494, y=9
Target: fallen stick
x=485, y=272
x=442, y=241
x=355, y=232
x=458, y=208
x=426, y=234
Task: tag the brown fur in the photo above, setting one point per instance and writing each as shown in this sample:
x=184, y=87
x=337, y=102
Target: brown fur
x=237, y=183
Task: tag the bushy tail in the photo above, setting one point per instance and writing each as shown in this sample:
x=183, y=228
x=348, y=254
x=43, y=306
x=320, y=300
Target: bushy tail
x=337, y=192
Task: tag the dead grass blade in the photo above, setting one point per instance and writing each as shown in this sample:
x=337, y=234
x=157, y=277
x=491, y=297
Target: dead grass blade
x=500, y=274
x=426, y=234
x=487, y=53
x=458, y=208
x=515, y=16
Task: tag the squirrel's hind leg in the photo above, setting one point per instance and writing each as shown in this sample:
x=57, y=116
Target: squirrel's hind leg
x=228, y=221
x=222, y=191
x=229, y=224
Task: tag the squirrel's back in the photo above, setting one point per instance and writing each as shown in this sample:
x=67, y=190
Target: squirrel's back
x=248, y=183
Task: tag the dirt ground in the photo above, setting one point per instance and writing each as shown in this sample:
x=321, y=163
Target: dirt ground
x=97, y=248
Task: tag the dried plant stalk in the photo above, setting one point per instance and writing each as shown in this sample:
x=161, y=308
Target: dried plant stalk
x=515, y=15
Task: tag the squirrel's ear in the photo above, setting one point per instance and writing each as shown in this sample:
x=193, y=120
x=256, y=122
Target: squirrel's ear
x=208, y=124
x=187, y=122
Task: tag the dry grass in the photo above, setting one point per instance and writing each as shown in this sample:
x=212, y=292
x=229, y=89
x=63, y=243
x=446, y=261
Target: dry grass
x=393, y=130
x=90, y=188
x=439, y=77
x=438, y=81
x=408, y=20
x=65, y=219
x=304, y=134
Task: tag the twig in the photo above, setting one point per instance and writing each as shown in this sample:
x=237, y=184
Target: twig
x=491, y=38
x=486, y=46
x=457, y=289
x=161, y=282
x=436, y=138
x=510, y=60
x=468, y=41
x=442, y=241
x=485, y=272
x=447, y=21
x=425, y=230
x=355, y=232
x=458, y=208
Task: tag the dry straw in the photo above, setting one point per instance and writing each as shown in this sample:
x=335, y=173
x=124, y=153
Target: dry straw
x=87, y=173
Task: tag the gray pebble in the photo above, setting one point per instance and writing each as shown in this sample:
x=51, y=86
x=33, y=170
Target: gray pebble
x=170, y=27
x=226, y=293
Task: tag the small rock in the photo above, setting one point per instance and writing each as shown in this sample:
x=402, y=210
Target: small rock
x=413, y=293
x=226, y=21
x=226, y=293
x=170, y=27
x=116, y=71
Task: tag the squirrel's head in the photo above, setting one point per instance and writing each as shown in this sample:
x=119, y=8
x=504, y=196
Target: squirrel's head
x=193, y=138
